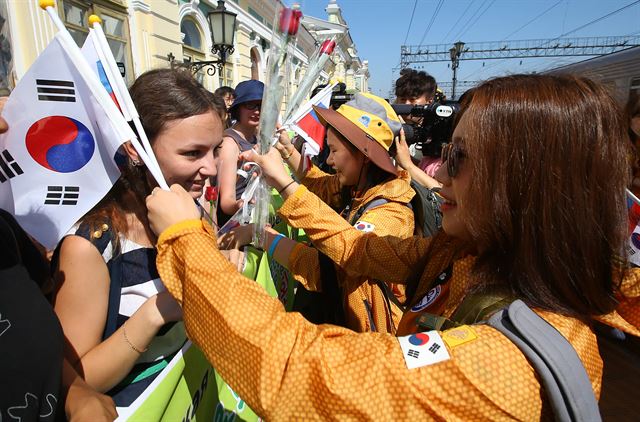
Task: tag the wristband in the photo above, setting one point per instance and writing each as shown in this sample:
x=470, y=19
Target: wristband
x=272, y=248
x=285, y=187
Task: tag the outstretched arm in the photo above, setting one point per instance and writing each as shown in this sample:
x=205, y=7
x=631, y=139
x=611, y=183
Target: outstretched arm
x=286, y=368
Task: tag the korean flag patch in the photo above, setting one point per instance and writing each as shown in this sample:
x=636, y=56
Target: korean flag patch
x=422, y=349
x=363, y=226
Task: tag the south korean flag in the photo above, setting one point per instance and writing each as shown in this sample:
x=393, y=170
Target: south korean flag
x=57, y=159
x=364, y=226
x=422, y=349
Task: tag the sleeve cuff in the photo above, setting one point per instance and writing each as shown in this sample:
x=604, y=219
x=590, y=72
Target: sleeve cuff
x=293, y=256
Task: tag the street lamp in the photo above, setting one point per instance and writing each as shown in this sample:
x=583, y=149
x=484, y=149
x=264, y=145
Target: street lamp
x=222, y=25
x=455, y=52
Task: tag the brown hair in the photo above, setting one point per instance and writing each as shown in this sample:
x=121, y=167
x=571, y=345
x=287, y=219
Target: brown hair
x=548, y=190
x=160, y=96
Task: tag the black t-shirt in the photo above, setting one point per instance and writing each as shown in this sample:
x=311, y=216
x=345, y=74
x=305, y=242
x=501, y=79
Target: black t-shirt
x=31, y=339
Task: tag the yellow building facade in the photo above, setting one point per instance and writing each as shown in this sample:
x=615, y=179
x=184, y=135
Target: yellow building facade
x=147, y=34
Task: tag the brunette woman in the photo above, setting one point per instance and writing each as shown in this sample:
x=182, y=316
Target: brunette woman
x=534, y=186
x=120, y=323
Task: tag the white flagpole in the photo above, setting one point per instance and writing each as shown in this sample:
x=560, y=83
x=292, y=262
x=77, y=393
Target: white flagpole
x=120, y=90
x=633, y=197
x=304, y=109
x=97, y=90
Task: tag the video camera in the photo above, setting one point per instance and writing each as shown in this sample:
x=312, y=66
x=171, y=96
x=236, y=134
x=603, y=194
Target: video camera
x=436, y=126
x=339, y=95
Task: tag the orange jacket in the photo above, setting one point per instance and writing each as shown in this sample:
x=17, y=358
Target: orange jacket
x=286, y=368
x=394, y=217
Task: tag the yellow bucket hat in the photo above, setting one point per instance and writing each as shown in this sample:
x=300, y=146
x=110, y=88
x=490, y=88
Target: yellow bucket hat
x=369, y=123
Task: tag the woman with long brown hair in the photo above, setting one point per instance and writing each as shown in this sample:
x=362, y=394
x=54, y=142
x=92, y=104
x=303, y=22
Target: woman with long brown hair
x=120, y=323
x=534, y=209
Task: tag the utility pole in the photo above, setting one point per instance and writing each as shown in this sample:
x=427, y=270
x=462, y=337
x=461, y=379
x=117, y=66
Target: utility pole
x=454, y=53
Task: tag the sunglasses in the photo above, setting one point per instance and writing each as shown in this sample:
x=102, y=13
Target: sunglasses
x=252, y=106
x=451, y=155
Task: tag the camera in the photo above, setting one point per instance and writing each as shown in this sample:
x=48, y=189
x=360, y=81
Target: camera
x=436, y=126
x=339, y=95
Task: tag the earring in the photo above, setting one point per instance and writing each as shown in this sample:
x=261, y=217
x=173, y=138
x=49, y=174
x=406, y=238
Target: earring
x=135, y=163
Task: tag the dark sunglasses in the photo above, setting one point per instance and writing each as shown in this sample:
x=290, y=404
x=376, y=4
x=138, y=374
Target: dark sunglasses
x=252, y=106
x=451, y=155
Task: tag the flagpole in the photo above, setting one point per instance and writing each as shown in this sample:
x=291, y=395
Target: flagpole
x=120, y=90
x=304, y=109
x=98, y=91
x=633, y=197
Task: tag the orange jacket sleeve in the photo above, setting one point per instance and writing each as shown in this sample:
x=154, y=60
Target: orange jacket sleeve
x=326, y=186
x=286, y=368
x=389, y=218
x=387, y=258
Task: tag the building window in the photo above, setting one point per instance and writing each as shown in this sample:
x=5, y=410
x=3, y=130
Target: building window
x=75, y=14
x=192, y=35
x=255, y=64
x=192, y=50
x=225, y=78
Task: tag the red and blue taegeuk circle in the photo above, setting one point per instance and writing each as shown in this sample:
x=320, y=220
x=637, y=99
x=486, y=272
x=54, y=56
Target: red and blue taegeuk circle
x=60, y=143
x=419, y=339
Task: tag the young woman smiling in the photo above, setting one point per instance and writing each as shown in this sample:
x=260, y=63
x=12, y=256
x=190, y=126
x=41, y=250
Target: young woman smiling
x=119, y=322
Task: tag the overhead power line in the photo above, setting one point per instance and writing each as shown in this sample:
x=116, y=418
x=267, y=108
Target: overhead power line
x=458, y=21
x=608, y=15
x=599, y=19
x=433, y=19
x=415, y=3
x=477, y=19
x=532, y=20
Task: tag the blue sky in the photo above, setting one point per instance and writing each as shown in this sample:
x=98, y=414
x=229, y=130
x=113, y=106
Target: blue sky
x=379, y=29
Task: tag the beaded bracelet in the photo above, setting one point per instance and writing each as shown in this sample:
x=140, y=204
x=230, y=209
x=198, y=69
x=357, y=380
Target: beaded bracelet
x=135, y=349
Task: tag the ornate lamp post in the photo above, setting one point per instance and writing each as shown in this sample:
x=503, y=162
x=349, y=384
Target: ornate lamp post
x=222, y=25
x=455, y=52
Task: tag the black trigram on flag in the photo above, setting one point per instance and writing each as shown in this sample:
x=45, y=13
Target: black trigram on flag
x=413, y=353
x=62, y=195
x=9, y=168
x=50, y=90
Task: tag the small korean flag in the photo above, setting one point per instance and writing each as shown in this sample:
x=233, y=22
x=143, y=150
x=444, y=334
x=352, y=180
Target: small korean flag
x=422, y=349
x=363, y=226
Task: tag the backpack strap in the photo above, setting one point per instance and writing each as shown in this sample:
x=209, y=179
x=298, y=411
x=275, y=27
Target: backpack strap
x=556, y=362
x=376, y=202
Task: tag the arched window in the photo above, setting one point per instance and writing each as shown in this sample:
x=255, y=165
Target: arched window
x=255, y=64
x=192, y=35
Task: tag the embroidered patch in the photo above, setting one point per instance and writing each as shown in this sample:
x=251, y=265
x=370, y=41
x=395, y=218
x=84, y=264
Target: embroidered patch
x=428, y=299
x=423, y=349
x=459, y=335
x=365, y=120
x=363, y=226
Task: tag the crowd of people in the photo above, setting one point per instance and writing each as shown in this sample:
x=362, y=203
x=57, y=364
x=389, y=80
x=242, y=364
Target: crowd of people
x=389, y=322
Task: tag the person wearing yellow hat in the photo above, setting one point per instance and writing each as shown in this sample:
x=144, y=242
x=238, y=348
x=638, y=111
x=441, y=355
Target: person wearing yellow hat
x=367, y=191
